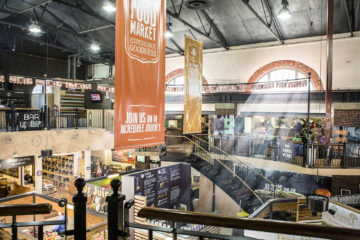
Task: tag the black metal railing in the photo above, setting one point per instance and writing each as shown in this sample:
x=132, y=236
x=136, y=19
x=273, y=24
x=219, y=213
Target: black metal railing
x=30, y=209
x=13, y=120
x=314, y=155
x=119, y=226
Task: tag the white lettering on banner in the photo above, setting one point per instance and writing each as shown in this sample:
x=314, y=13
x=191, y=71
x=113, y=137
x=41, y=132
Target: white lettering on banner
x=143, y=27
x=140, y=123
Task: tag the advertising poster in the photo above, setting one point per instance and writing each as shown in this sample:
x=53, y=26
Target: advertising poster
x=174, y=185
x=149, y=183
x=193, y=85
x=162, y=188
x=140, y=73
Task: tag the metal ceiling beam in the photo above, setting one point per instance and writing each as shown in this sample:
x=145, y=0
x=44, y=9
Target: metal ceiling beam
x=181, y=51
x=174, y=50
x=42, y=42
x=216, y=29
x=34, y=6
x=246, y=2
x=349, y=14
x=274, y=20
x=88, y=12
x=180, y=19
x=95, y=29
x=56, y=28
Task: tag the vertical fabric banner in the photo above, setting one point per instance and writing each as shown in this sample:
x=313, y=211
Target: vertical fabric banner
x=140, y=73
x=193, y=85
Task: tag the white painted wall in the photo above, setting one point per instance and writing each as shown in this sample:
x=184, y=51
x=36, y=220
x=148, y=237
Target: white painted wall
x=238, y=64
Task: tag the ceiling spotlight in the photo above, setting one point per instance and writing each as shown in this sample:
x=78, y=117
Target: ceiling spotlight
x=95, y=46
x=168, y=34
x=284, y=12
x=34, y=28
x=109, y=7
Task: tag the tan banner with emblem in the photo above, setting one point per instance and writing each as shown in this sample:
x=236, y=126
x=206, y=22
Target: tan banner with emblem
x=140, y=73
x=193, y=85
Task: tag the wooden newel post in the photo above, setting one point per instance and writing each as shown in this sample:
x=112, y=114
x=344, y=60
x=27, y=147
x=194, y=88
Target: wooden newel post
x=115, y=212
x=79, y=200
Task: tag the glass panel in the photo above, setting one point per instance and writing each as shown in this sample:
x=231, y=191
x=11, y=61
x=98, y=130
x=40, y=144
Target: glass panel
x=264, y=78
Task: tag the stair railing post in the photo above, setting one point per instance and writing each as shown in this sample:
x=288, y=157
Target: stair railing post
x=115, y=202
x=79, y=200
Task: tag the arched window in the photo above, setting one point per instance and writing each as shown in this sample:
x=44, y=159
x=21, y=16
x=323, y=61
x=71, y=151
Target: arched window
x=176, y=81
x=283, y=74
x=284, y=70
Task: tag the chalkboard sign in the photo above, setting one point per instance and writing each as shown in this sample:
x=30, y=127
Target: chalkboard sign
x=29, y=120
x=287, y=150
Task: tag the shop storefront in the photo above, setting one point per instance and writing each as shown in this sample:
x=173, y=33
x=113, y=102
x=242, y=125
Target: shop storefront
x=17, y=176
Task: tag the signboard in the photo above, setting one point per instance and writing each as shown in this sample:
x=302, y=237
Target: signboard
x=29, y=120
x=16, y=162
x=350, y=118
x=342, y=217
x=193, y=85
x=341, y=132
x=229, y=125
x=340, y=139
x=123, y=156
x=287, y=151
x=163, y=187
x=140, y=73
x=98, y=191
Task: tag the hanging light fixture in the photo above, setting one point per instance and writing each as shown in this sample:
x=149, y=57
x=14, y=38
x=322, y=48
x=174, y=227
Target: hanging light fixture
x=34, y=28
x=284, y=12
x=95, y=46
x=168, y=33
x=109, y=7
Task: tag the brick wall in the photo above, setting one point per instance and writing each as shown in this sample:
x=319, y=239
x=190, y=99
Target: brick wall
x=345, y=182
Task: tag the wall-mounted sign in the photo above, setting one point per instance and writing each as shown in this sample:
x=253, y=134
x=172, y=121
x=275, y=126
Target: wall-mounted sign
x=140, y=74
x=29, y=120
x=16, y=162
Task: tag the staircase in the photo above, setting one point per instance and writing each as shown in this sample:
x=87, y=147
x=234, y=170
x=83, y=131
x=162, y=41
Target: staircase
x=236, y=179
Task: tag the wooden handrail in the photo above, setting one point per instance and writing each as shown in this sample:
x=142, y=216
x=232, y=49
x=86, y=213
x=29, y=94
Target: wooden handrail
x=25, y=209
x=251, y=224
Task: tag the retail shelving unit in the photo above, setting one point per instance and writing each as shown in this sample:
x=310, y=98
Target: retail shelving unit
x=59, y=170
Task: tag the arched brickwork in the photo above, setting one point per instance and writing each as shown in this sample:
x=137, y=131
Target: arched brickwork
x=180, y=72
x=287, y=64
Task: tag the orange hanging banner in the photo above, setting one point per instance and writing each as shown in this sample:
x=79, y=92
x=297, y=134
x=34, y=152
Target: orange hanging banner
x=193, y=85
x=139, y=73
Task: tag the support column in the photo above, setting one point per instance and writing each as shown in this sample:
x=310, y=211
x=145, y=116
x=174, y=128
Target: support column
x=87, y=162
x=329, y=70
x=38, y=174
